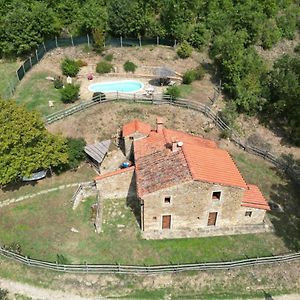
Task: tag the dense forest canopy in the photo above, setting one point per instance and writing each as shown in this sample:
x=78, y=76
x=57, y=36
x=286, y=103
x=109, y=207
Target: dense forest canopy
x=25, y=23
x=229, y=29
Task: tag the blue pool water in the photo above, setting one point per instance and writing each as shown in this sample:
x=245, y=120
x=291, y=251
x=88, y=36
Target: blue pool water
x=125, y=86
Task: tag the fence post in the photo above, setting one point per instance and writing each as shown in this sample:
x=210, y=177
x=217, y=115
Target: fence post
x=30, y=61
x=17, y=75
x=157, y=40
x=37, y=57
x=175, y=44
x=88, y=39
x=23, y=69
x=44, y=47
x=121, y=41
x=72, y=41
x=140, y=41
x=56, y=42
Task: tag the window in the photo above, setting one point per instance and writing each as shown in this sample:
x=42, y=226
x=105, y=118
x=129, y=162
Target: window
x=248, y=214
x=166, y=222
x=212, y=219
x=131, y=138
x=167, y=200
x=216, y=195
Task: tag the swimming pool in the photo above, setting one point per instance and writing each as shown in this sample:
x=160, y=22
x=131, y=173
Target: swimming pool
x=124, y=86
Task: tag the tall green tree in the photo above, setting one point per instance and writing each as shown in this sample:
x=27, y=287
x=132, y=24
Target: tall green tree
x=126, y=17
x=25, y=144
x=283, y=94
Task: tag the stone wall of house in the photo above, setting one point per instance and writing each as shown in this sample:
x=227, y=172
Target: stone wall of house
x=116, y=185
x=191, y=204
x=128, y=143
x=257, y=215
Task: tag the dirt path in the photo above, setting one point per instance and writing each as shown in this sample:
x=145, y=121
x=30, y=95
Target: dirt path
x=37, y=293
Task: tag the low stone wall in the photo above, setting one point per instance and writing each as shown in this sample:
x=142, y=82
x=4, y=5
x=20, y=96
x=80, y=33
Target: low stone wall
x=117, y=184
x=207, y=232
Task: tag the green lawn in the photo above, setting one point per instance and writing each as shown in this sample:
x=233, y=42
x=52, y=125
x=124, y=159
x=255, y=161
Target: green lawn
x=42, y=226
x=277, y=188
x=8, y=78
x=84, y=173
x=35, y=92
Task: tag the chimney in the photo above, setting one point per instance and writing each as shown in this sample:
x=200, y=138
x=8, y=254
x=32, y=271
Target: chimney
x=159, y=124
x=174, y=144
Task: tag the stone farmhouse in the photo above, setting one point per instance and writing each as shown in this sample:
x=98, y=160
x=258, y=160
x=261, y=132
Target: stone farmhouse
x=185, y=185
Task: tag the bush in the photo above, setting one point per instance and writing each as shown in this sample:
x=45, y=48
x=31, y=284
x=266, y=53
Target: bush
x=70, y=67
x=173, y=92
x=82, y=63
x=199, y=72
x=70, y=93
x=297, y=49
x=195, y=74
x=104, y=67
x=62, y=260
x=99, y=39
x=188, y=77
x=225, y=134
x=13, y=247
x=129, y=66
x=58, y=82
x=184, y=50
x=3, y=294
x=75, y=152
x=109, y=57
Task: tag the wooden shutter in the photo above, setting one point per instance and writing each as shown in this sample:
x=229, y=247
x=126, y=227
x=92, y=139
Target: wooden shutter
x=166, y=222
x=212, y=219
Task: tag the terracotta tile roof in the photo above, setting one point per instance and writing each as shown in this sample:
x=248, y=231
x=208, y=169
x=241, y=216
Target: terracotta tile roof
x=160, y=170
x=113, y=173
x=212, y=165
x=158, y=141
x=254, y=198
x=136, y=126
x=157, y=167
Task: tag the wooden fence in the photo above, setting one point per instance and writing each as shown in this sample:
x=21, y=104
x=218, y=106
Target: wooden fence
x=159, y=99
x=143, y=270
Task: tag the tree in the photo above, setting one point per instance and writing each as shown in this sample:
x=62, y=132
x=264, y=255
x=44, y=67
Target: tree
x=283, y=94
x=126, y=17
x=26, y=146
x=24, y=27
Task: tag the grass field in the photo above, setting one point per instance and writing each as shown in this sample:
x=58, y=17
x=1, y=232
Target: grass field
x=42, y=226
x=84, y=173
x=35, y=91
x=8, y=77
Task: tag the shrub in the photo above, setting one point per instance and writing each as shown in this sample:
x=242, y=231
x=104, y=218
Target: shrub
x=129, y=66
x=13, y=247
x=188, y=77
x=3, y=294
x=75, y=152
x=199, y=72
x=195, y=74
x=297, y=49
x=184, y=50
x=225, y=134
x=82, y=63
x=58, y=82
x=99, y=38
x=70, y=67
x=173, y=92
x=62, y=260
x=70, y=93
x=104, y=67
x=109, y=57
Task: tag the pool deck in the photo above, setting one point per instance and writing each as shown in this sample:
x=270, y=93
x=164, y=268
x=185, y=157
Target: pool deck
x=86, y=94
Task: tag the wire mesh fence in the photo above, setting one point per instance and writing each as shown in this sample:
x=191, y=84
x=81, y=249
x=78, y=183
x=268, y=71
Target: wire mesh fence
x=49, y=45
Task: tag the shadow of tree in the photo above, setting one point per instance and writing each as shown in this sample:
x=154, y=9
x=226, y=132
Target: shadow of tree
x=286, y=193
